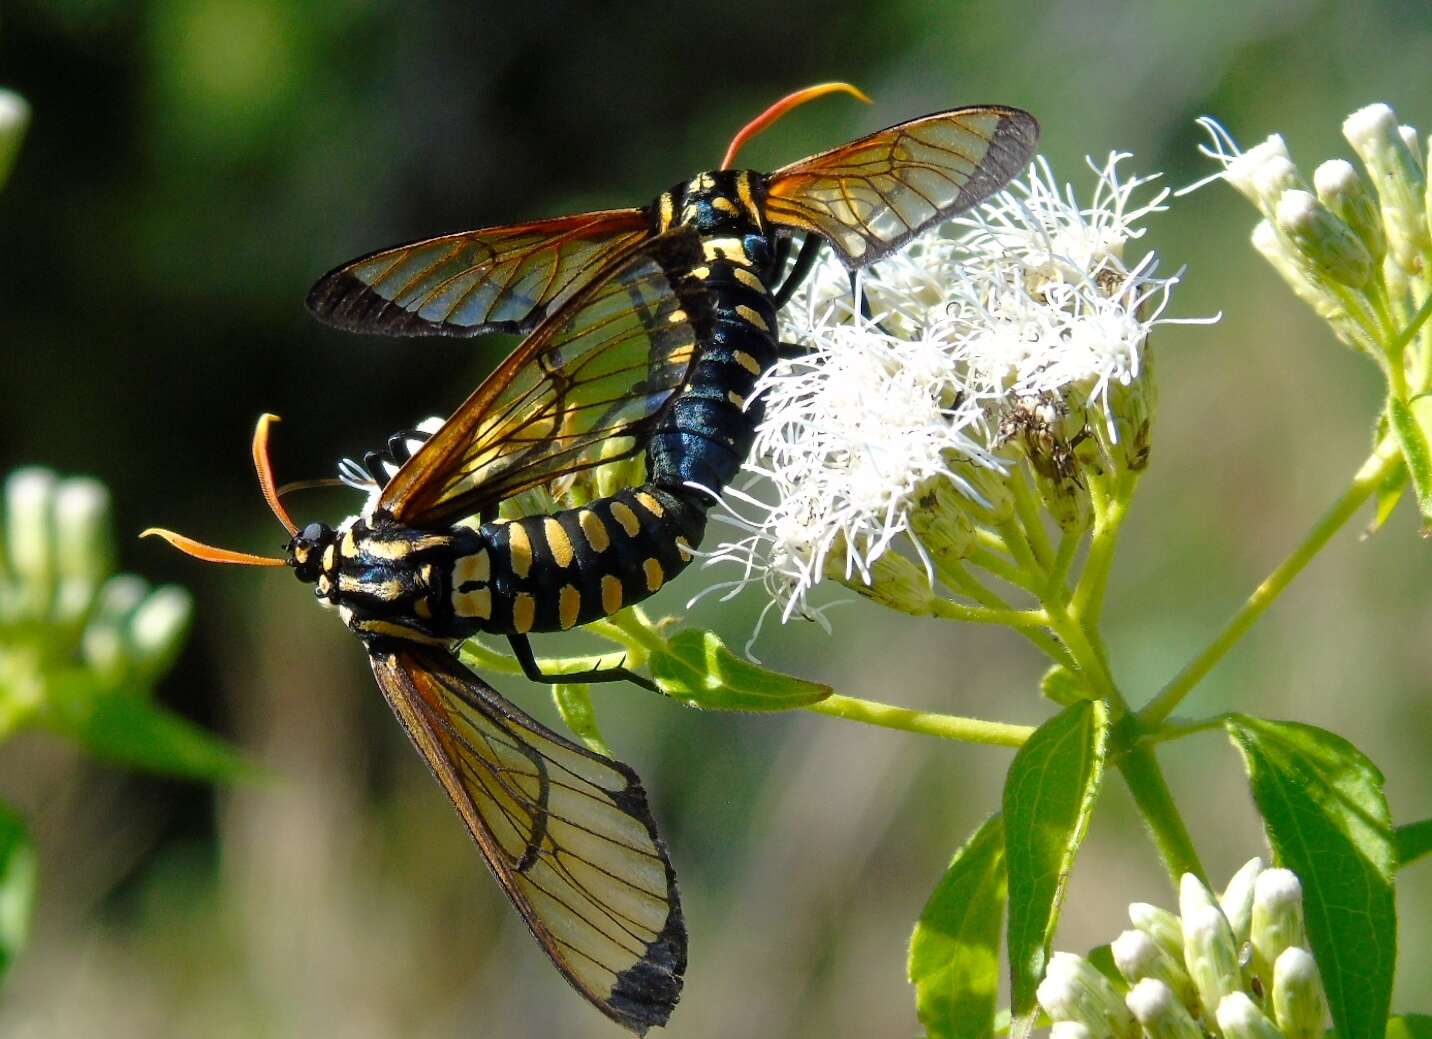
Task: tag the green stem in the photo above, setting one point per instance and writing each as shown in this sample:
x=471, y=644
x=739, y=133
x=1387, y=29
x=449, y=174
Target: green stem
x=1369, y=476
x=987, y=615
x=957, y=578
x=1026, y=505
x=1146, y=782
x=1088, y=602
x=1056, y=589
x=945, y=726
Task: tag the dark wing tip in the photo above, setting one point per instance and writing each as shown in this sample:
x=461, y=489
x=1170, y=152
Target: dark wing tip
x=1011, y=147
x=343, y=301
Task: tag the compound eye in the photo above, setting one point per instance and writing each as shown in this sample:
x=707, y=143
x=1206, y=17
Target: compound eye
x=313, y=533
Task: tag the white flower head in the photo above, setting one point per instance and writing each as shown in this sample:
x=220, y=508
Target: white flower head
x=1028, y=302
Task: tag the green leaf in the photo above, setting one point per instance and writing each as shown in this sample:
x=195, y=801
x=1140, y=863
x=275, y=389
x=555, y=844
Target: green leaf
x=697, y=667
x=1102, y=957
x=1409, y=1026
x=1415, y=452
x=1413, y=841
x=574, y=704
x=18, y=875
x=1063, y=686
x=130, y=730
x=1389, y=493
x=1327, y=820
x=954, y=952
x=1049, y=796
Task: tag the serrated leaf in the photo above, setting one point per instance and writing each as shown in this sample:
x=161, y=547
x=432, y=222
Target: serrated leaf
x=130, y=730
x=1062, y=686
x=1327, y=820
x=1415, y=452
x=1389, y=493
x=697, y=667
x=574, y=704
x=18, y=875
x=1409, y=1026
x=1413, y=841
x=954, y=952
x=1049, y=796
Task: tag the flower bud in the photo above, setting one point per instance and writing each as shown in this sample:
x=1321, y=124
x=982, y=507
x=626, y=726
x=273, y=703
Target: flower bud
x=1139, y=957
x=893, y=580
x=1160, y=1012
x=1237, y=900
x=1070, y=1030
x=1242, y=171
x=1298, y=1000
x=1399, y=179
x=157, y=629
x=14, y=120
x=1343, y=191
x=1409, y=138
x=1277, y=918
x=941, y=521
x=1074, y=990
x=83, y=547
x=29, y=510
x=1208, y=949
x=1324, y=240
x=1239, y=1018
x=104, y=643
x=1298, y=276
x=1272, y=179
x=1160, y=925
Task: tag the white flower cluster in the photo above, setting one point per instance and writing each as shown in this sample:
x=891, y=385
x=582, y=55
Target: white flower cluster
x=1026, y=305
x=1236, y=966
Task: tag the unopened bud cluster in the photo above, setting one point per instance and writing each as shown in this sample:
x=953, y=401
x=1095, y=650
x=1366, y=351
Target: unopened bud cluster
x=1352, y=246
x=1235, y=967
x=61, y=604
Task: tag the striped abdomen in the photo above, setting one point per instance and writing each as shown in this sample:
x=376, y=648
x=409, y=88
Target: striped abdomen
x=553, y=572
x=707, y=434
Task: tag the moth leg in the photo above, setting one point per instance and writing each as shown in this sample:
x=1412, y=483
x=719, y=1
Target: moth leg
x=805, y=260
x=522, y=649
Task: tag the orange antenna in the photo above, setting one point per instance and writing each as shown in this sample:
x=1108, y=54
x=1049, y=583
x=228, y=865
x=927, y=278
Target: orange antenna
x=783, y=106
x=209, y=553
x=265, y=471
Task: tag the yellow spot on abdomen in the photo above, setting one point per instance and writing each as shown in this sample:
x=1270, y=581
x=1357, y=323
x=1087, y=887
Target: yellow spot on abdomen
x=558, y=542
x=654, y=574
x=751, y=316
x=684, y=548
x=677, y=316
x=473, y=604
x=650, y=504
x=569, y=604
x=524, y=612
x=476, y=569
x=735, y=398
x=667, y=210
x=594, y=530
x=623, y=515
x=748, y=279
x=519, y=547
x=611, y=594
x=747, y=362
x=701, y=273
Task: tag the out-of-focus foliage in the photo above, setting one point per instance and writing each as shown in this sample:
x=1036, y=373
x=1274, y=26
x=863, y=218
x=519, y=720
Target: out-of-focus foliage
x=192, y=165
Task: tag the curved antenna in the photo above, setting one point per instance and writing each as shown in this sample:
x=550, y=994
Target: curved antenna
x=309, y=485
x=209, y=553
x=783, y=106
x=265, y=471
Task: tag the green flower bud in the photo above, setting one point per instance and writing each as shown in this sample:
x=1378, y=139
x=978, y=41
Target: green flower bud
x=29, y=510
x=1160, y=925
x=1299, y=277
x=1237, y=900
x=1243, y=171
x=105, y=643
x=1409, y=138
x=84, y=553
x=1277, y=919
x=1324, y=240
x=14, y=120
x=1208, y=950
x=1343, y=191
x=1139, y=957
x=157, y=629
x=1074, y=990
x=1240, y=1018
x=1298, y=1000
x=894, y=581
x=1400, y=181
x=1160, y=1012
x=1274, y=177
x=940, y=519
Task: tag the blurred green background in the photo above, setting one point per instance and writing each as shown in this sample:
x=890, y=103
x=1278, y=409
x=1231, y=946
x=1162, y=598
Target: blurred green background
x=195, y=164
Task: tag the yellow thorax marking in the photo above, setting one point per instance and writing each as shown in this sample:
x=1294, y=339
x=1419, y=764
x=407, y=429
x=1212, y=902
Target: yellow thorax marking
x=558, y=542
x=667, y=210
x=724, y=204
x=743, y=189
x=524, y=612
x=520, y=549
x=349, y=546
x=387, y=590
x=569, y=605
x=650, y=504
x=611, y=594
x=330, y=555
x=594, y=530
x=380, y=549
x=654, y=574
x=626, y=518
x=399, y=631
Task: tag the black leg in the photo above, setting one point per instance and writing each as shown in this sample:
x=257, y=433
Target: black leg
x=805, y=260
x=522, y=649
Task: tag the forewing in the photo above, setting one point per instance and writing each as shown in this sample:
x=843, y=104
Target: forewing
x=566, y=832
x=869, y=197
x=588, y=386
x=498, y=279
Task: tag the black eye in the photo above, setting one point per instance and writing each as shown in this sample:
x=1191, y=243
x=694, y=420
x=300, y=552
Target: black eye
x=313, y=532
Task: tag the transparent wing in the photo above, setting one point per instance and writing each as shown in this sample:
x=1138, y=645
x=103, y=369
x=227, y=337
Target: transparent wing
x=566, y=832
x=498, y=279
x=869, y=197
x=588, y=386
